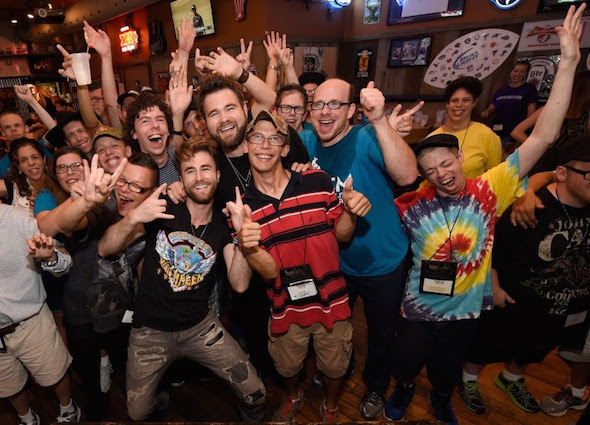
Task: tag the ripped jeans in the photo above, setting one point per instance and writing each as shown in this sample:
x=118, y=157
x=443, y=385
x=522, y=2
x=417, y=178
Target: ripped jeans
x=151, y=351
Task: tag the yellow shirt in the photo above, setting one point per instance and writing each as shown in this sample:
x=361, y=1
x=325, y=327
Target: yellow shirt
x=482, y=149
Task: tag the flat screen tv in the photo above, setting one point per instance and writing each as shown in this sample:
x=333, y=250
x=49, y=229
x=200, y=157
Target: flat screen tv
x=199, y=11
x=404, y=11
x=551, y=5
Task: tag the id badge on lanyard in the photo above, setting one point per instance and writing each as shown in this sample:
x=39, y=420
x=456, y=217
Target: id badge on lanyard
x=438, y=277
x=299, y=282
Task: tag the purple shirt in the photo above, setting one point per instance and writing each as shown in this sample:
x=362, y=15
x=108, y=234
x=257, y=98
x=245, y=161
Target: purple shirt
x=511, y=105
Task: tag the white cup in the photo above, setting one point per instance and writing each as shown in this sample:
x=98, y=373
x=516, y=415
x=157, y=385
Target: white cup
x=81, y=67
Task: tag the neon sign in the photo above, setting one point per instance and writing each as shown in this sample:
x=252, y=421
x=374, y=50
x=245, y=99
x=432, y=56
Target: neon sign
x=506, y=4
x=129, y=39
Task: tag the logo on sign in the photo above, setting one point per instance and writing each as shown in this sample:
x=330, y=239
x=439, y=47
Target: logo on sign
x=465, y=58
x=505, y=4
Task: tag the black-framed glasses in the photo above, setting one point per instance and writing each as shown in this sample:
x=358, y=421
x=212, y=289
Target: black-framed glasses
x=133, y=187
x=96, y=99
x=285, y=109
x=586, y=174
x=61, y=169
x=332, y=104
x=274, y=140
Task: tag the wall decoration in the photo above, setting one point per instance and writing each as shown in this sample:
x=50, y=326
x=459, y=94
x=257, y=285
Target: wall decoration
x=506, y=4
x=476, y=54
x=409, y=52
x=128, y=39
x=363, y=64
x=15, y=67
x=404, y=11
x=163, y=79
x=542, y=74
x=372, y=11
x=541, y=35
x=316, y=59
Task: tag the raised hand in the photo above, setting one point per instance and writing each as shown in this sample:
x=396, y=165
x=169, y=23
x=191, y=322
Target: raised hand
x=373, y=102
x=201, y=63
x=180, y=92
x=151, y=209
x=570, y=32
x=25, y=94
x=77, y=190
x=269, y=45
x=98, y=184
x=186, y=35
x=286, y=58
x=250, y=233
x=67, y=70
x=222, y=63
x=244, y=57
x=403, y=123
x=355, y=203
x=176, y=192
x=99, y=40
x=41, y=247
x=235, y=211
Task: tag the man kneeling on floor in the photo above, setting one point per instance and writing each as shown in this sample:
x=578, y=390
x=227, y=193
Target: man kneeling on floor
x=289, y=228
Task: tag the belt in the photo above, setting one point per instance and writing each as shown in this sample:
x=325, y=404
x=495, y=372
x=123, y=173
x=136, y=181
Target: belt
x=8, y=329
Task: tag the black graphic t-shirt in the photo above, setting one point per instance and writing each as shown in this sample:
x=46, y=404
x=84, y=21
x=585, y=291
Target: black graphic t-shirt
x=179, y=270
x=546, y=268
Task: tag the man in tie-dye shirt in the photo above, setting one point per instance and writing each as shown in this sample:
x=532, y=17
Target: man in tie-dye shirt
x=451, y=229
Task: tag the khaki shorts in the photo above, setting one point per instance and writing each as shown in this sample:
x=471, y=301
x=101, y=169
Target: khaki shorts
x=332, y=348
x=35, y=346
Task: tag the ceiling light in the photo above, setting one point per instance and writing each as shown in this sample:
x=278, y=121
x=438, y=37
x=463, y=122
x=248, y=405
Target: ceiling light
x=49, y=6
x=14, y=21
x=30, y=16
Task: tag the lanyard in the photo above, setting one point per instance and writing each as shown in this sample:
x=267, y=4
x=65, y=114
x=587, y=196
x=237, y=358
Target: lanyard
x=450, y=228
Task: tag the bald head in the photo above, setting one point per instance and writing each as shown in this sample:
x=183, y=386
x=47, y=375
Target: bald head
x=331, y=111
x=12, y=126
x=339, y=85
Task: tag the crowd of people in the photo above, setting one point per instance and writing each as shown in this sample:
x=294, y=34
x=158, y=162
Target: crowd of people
x=143, y=215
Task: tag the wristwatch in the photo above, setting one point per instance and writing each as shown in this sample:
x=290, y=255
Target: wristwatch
x=276, y=68
x=244, y=77
x=49, y=263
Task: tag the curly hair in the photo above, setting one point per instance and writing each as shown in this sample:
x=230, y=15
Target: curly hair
x=472, y=85
x=144, y=102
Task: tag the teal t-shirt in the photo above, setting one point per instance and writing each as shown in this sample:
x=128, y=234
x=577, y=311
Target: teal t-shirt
x=379, y=243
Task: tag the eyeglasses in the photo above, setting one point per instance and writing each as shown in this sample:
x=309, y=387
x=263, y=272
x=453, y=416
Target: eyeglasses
x=274, y=140
x=61, y=169
x=332, y=104
x=586, y=174
x=96, y=99
x=309, y=92
x=285, y=109
x=133, y=187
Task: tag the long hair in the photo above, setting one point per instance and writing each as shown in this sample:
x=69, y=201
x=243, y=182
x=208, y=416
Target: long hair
x=59, y=193
x=580, y=102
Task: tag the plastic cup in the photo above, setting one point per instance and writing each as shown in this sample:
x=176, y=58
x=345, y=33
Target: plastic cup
x=81, y=67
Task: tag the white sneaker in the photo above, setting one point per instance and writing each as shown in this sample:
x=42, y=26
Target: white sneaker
x=105, y=376
x=36, y=420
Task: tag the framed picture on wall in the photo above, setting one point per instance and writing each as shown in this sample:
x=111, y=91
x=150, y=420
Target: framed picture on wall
x=409, y=52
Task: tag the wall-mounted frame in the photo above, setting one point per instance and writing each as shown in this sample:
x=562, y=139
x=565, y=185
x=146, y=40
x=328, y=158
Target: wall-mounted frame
x=402, y=12
x=409, y=52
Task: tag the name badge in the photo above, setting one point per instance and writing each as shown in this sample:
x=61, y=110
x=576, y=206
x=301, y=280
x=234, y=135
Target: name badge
x=438, y=277
x=127, y=317
x=498, y=127
x=299, y=282
x=575, y=319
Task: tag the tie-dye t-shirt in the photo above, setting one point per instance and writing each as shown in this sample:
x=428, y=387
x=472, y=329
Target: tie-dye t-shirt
x=476, y=210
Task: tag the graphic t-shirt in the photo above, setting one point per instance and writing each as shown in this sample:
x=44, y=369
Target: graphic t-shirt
x=546, y=268
x=379, y=244
x=428, y=218
x=512, y=105
x=179, y=271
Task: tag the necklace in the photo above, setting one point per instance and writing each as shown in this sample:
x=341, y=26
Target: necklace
x=464, y=135
x=244, y=181
x=570, y=219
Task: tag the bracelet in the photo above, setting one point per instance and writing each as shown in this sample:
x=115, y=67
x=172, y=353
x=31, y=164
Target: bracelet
x=49, y=263
x=244, y=77
x=177, y=133
x=276, y=68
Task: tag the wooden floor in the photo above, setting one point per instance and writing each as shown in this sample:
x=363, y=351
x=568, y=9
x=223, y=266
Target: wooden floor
x=213, y=401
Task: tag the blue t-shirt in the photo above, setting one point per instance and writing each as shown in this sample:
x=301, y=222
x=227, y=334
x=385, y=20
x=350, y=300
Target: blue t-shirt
x=379, y=243
x=45, y=201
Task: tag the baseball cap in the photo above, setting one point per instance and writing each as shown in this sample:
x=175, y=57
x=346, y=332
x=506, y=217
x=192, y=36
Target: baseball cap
x=437, y=141
x=104, y=130
x=278, y=123
x=574, y=149
x=130, y=93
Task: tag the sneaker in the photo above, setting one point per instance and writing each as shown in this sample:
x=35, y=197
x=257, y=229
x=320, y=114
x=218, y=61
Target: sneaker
x=36, y=420
x=396, y=405
x=559, y=403
x=469, y=392
x=105, y=376
x=518, y=393
x=372, y=405
x=318, y=379
x=289, y=408
x=70, y=417
x=328, y=416
x=177, y=382
x=443, y=411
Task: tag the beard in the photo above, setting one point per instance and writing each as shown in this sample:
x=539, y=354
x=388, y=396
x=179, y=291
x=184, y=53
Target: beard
x=231, y=143
x=201, y=198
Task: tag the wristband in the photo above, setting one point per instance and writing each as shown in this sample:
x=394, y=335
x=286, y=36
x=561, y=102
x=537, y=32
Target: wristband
x=49, y=263
x=244, y=77
x=276, y=68
x=177, y=133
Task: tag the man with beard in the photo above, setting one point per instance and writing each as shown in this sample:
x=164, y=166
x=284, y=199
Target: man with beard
x=172, y=317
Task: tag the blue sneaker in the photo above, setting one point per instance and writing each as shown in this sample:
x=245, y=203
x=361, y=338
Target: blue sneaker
x=396, y=405
x=443, y=411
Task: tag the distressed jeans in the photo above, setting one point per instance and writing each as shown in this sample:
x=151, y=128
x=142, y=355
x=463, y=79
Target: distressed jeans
x=151, y=351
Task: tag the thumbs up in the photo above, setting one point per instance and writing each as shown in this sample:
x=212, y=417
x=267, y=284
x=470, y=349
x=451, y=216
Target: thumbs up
x=355, y=203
